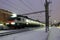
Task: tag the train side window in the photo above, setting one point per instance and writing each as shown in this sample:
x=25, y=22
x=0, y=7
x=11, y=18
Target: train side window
x=18, y=18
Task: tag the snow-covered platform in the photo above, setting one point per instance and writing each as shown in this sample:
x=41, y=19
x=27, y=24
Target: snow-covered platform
x=36, y=34
x=54, y=34
x=8, y=32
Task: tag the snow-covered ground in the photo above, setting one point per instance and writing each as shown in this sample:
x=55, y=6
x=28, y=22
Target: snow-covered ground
x=54, y=33
x=3, y=31
x=36, y=34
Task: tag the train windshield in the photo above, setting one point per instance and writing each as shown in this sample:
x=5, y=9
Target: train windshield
x=18, y=19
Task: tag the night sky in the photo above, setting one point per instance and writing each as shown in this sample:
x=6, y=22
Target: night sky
x=27, y=6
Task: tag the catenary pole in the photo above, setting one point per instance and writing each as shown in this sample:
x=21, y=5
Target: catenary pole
x=47, y=15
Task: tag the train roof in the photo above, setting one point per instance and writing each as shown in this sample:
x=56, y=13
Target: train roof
x=29, y=18
x=22, y=16
x=26, y=18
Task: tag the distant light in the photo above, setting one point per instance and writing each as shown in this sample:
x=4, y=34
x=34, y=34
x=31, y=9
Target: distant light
x=27, y=23
x=55, y=21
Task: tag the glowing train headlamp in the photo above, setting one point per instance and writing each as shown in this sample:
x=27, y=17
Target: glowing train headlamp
x=7, y=23
x=27, y=20
x=14, y=15
x=12, y=23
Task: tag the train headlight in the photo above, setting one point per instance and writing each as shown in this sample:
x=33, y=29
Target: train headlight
x=7, y=23
x=27, y=20
x=1, y=24
x=12, y=23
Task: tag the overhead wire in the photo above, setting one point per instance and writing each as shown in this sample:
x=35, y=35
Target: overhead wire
x=9, y=5
x=18, y=6
x=30, y=5
x=33, y=12
x=26, y=5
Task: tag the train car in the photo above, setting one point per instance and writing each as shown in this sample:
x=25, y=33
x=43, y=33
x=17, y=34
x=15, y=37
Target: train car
x=21, y=22
x=16, y=22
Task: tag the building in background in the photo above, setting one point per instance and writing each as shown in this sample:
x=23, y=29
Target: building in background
x=4, y=14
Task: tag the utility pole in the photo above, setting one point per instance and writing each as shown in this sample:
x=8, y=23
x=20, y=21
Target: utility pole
x=47, y=15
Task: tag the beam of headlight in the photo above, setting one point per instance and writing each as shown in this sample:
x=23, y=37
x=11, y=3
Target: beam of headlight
x=14, y=15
